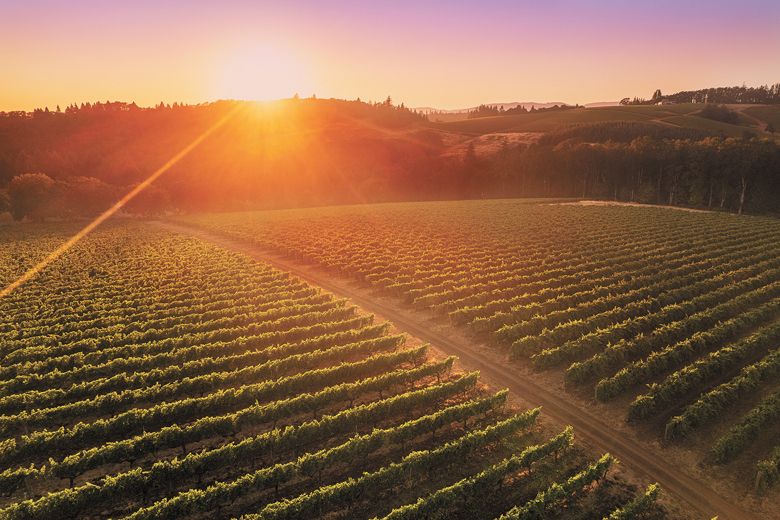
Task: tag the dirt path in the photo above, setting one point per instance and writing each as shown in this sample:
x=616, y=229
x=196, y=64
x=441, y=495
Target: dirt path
x=634, y=204
x=663, y=121
x=759, y=124
x=598, y=434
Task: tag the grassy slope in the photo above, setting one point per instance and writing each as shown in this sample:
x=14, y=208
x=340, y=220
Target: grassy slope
x=768, y=113
x=679, y=115
x=701, y=123
x=539, y=121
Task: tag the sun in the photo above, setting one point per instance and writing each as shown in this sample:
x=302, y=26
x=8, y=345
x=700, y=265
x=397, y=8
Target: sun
x=261, y=73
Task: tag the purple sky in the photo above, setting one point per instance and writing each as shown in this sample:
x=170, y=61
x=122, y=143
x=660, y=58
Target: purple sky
x=443, y=54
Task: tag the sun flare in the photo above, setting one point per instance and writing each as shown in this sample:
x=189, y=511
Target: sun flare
x=261, y=73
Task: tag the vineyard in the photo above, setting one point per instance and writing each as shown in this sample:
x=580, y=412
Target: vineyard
x=151, y=375
x=667, y=319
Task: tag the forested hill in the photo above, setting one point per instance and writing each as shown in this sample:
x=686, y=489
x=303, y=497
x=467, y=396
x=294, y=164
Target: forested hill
x=78, y=161
x=279, y=154
x=763, y=95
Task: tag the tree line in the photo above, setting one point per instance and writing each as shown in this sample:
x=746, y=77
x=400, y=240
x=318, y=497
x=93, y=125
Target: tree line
x=78, y=162
x=761, y=95
x=650, y=164
x=499, y=110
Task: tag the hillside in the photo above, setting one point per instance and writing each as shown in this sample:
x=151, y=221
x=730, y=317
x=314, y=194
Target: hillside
x=682, y=115
x=303, y=152
x=741, y=95
x=285, y=153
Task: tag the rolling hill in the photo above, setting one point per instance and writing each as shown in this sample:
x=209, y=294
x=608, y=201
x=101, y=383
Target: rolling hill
x=307, y=152
x=682, y=115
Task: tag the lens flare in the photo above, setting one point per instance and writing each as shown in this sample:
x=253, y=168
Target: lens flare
x=54, y=255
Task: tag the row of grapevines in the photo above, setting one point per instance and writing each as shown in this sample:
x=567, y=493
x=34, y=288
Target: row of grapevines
x=616, y=355
x=676, y=385
x=578, y=327
x=160, y=370
x=113, y=309
x=195, y=501
x=484, y=318
x=390, y=475
x=266, y=298
x=152, y=416
x=332, y=333
x=709, y=406
x=55, y=397
x=662, y=283
x=490, y=311
x=768, y=470
x=201, y=427
x=637, y=506
x=114, y=402
x=679, y=354
x=676, y=305
x=71, y=501
x=760, y=420
x=438, y=502
x=329, y=311
x=536, y=508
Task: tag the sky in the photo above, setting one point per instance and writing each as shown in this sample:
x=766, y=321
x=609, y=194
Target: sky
x=451, y=54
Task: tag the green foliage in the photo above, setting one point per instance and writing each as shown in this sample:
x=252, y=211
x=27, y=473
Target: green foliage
x=617, y=297
x=438, y=503
x=558, y=492
x=768, y=470
x=311, y=464
x=201, y=426
x=762, y=418
x=31, y=194
x=636, y=507
x=710, y=406
x=719, y=113
x=694, y=375
x=419, y=463
x=677, y=354
x=668, y=295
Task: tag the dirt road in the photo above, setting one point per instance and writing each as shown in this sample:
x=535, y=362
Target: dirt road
x=598, y=434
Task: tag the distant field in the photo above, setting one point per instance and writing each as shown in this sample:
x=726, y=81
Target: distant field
x=540, y=121
x=770, y=114
x=682, y=115
x=700, y=123
x=151, y=375
x=671, y=319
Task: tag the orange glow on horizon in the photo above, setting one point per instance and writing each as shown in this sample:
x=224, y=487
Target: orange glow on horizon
x=260, y=73
x=439, y=54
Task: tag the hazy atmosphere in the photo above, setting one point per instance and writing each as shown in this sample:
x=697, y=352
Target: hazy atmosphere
x=441, y=54
x=322, y=260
